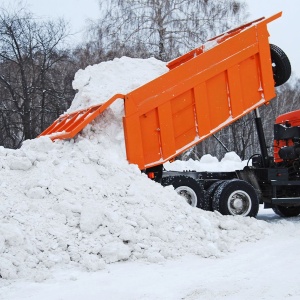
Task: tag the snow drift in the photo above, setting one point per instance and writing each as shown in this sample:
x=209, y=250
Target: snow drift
x=79, y=202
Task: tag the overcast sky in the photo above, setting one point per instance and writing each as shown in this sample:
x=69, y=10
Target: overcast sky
x=284, y=32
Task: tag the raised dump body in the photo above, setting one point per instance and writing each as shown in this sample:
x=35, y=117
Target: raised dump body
x=204, y=91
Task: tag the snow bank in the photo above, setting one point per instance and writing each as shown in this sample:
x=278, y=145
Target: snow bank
x=230, y=162
x=79, y=202
x=98, y=83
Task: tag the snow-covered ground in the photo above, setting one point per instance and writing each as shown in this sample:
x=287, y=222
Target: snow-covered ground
x=265, y=269
x=77, y=221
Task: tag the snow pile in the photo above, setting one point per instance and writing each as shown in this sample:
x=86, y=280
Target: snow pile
x=209, y=45
x=98, y=83
x=230, y=162
x=79, y=202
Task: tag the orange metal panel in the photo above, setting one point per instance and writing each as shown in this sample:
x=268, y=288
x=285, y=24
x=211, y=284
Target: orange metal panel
x=203, y=118
x=68, y=125
x=290, y=119
x=166, y=130
x=132, y=132
x=250, y=82
x=218, y=99
x=235, y=90
x=150, y=133
x=185, y=129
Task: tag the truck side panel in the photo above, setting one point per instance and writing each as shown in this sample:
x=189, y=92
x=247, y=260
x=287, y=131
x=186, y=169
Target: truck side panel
x=199, y=97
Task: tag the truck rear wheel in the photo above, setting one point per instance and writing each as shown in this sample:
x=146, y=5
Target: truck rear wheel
x=188, y=188
x=210, y=195
x=237, y=198
x=280, y=64
x=286, y=211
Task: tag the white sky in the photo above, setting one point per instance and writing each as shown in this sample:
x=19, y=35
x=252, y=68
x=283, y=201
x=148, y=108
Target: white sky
x=283, y=31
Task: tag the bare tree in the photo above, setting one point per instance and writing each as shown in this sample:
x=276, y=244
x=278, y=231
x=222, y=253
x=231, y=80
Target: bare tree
x=163, y=28
x=30, y=59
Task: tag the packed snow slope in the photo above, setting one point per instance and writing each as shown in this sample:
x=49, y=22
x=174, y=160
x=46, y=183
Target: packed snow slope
x=79, y=203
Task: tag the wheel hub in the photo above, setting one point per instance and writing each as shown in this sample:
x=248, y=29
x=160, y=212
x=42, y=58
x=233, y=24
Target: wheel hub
x=188, y=194
x=239, y=203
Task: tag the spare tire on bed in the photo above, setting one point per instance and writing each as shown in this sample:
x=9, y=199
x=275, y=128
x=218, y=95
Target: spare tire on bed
x=280, y=64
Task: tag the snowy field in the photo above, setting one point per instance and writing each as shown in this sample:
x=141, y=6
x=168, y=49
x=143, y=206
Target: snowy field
x=78, y=222
x=265, y=269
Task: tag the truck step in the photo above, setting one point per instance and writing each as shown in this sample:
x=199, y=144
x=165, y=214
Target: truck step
x=275, y=183
x=291, y=200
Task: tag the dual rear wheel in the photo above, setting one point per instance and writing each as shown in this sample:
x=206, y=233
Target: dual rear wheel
x=229, y=197
x=187, y=187
x=235, y=197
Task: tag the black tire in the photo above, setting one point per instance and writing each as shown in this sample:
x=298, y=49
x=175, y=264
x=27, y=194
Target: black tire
x=187, y=187
x=286, y=211
x=281, y=65
x=237, y=198
x=210, y=195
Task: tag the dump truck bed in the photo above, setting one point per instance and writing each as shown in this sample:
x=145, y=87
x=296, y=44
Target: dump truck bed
x=205, y=90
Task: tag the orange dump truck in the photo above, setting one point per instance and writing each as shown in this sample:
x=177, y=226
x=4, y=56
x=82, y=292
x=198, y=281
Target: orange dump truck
x=205, y=90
